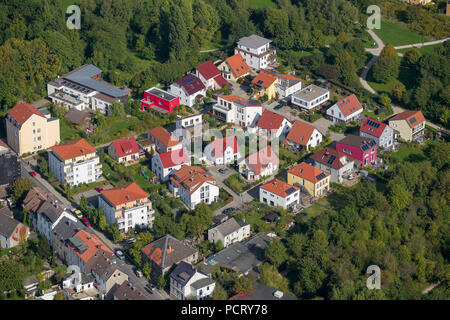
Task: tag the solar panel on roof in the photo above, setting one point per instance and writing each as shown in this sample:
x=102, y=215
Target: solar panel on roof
x=290, y=190
x=189, y=80
x=413, y=119
x=320, y=176
x=332, y=158
x=259, y=82
x=372, y=143
x=364, y=147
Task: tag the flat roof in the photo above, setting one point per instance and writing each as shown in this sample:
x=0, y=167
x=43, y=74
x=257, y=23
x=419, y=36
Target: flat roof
x=254, y=41
x=311, y=92
x=160, y=93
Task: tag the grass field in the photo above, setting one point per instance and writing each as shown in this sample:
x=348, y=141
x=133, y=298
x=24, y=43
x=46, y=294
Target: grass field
x=406, y=152
x=397, y=34
x=320, y=206
x=405, y=76
x=256, y=4
x=423, y=50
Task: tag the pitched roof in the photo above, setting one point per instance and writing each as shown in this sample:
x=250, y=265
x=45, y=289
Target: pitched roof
x=50, y=211
x=21, y=112
x=308, y=172
x=349, y=105
x=229, y=226
x=264, y=80
x=278, y=74
x=373, y=127
x=261, y=159
x=239, y=100
x=173, y=158
x=300, y=132
x=35, y=198
x=85, y=245
x=73, y=149
x=221, y=81
x=128, y=291
x=163, y=136
x=7, y=223
x=67, y=228
x=201, y=283
x=104, y=266
x=167, y=251
x=412, y=117
x=191, y=178
x=124, y=194
x=362, y=143
x=208, y=70
x=76, y=116
x=219, y=146
x=254, y=41
x=279, y=188
x=191, y=83
x=331, y=158
x=183, y=272
x=270, y=120
x=125, y=147
x=238, y=65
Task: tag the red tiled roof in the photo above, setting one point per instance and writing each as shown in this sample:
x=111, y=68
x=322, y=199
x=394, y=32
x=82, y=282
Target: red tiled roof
x=220, y=145
x=208, y=70
x=270, y=120
x=278, y=187
x=308, y=172
x=73, y=149
x=281, y=75
x=238, y=65
x=300, y=132
x=191, y=178
x=324, y=156
x=191, y=83
x=162, y=135
x=23, y=111
x=92, y=242
x=264, y=80
x=221, y=81
x=174, y=158
x=349, y=105
x=376, y=130
x=125, y=147
x=261, y=159
x=409, y=115
x=124, y=194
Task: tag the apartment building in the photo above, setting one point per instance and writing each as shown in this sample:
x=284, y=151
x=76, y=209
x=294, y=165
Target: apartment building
x=237, y=110
x=256, y=51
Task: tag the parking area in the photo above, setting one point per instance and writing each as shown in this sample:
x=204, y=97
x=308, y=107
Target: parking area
x=323, y=124
x=91, y=195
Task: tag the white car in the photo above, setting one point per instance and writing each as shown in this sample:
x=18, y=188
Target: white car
x=120, y=254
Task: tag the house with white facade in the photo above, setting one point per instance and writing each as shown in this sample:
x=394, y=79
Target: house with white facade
x=189, y=88
x=211, y=76
x=189, y=121
x=310, y=98
x=48, y=216
x=337, y=164
x=279, y=193
x=165, y=164
x=75, y=162
x=256, y=51
x=124, y=151
x=229, y=232
x=345, y=110
x=128, y=206
x=378, y=131
x=260, y=164
x=164, y=141
x=187, y=282
x=303, y=134
x=286, y=84
x=273, y=124
x=193, y=185
x=237, y=110
x=222, y=151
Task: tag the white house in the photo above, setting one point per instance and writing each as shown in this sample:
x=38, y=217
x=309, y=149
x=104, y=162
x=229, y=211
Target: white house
x=223, y=151
x=164, y=141
x=260, y=164
x=186, y=281
x=272, y=123
x=286, y=84
x=75, y=162
x=378, y=131
x=279, y=193
x=237, y=110
x=189, y=88
x=256, y=51
x=345, y=110
x=48, y=216
x=193, y=186
x=189, y=121
x=165, y=164
x=303, y=134
x=128, y=206
x=310, y=98
x=229, y=232
x=210, y=75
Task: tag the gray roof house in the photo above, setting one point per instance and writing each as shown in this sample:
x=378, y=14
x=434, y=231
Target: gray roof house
x=186, y=281
x=229, y=232
x=11, y=230
x=64, y=230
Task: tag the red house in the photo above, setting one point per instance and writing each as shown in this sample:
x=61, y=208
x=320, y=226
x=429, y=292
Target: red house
x=155, y=97
x=359, y=148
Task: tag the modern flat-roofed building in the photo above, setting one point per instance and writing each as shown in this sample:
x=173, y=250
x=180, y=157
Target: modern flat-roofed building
x=310, y=98
x=156, y=97
x=237, y=110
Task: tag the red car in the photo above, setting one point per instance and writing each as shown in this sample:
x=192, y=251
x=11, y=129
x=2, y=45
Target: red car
x=99, y=189
x=86, y=221
x=32, y=173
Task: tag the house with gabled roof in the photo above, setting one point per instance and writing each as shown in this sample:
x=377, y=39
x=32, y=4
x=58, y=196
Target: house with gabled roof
x=361, y=149
x=264, y=85
x=211, y=76
x=189, y=88
x=286, y=84
x=223, y=151
x=273, y=124
x=380, y=132
x=12, y=232
x=237, y=110
x=108, y=274
x=167, y=163
x=345, y=110
x=228, y=232
x=260, y=164
x=186, y=282
x=164, y=141
x=128, y=206
x=165, y=252
x=279, y=193
x=410, y=125
x=234, y=67
x=64, y=229
x=48, y=216
x=124, y=151
x=129, y=291
x=303, y=134
x=337, y=164
x=309, y=178
x=257, y=51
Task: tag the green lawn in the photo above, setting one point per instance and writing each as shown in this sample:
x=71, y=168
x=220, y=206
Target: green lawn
x=237, y=183
x=405, y=76
x=397, y=34
x=320, y=206
x=68, y=132
x=406, y=152
x=423, y=50
x=256, y=4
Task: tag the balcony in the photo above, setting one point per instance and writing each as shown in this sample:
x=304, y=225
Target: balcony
x=98, y=166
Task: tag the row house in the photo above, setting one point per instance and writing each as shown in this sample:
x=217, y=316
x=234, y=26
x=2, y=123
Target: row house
x=64, y=229
x=310, y=98
x=107, y=274
x=48, y=216
x=309, y=178
x=345, y=110
x=256, y=51
x=237, y=110
x=304, y=135
x=277, y=193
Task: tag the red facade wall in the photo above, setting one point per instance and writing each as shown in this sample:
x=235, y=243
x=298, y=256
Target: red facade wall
x=151, y=100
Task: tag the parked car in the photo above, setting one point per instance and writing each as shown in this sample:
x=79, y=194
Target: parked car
x=223, y=170
x=138, y=273
x=228, y=210
x=86, y=221
x=78, y=214
x=131, y=240
x=99, y=189
x=120, y=255
x=278, y=107
x=32, y=173
x=10, y=202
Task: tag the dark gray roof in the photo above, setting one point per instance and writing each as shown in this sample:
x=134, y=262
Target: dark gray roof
x=66, y=228
x=50, y=211
x=262, y=292
x=9, y=168
x=76, y=116
x=87, y=278
x=128, y=291
x=105, y=266
x=271, y=216
x=7, y=223
x=254, y=41
x=202, y=283
x=183, y=272
x=220, y=218
x=83, y=76
x=78, y=244
x=241, y=257
x=229, y=226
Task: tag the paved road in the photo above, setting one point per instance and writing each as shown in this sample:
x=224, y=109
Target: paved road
x=419, y=45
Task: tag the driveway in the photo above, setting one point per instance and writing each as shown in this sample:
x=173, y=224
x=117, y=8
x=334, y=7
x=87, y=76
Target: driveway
x=323, y=124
